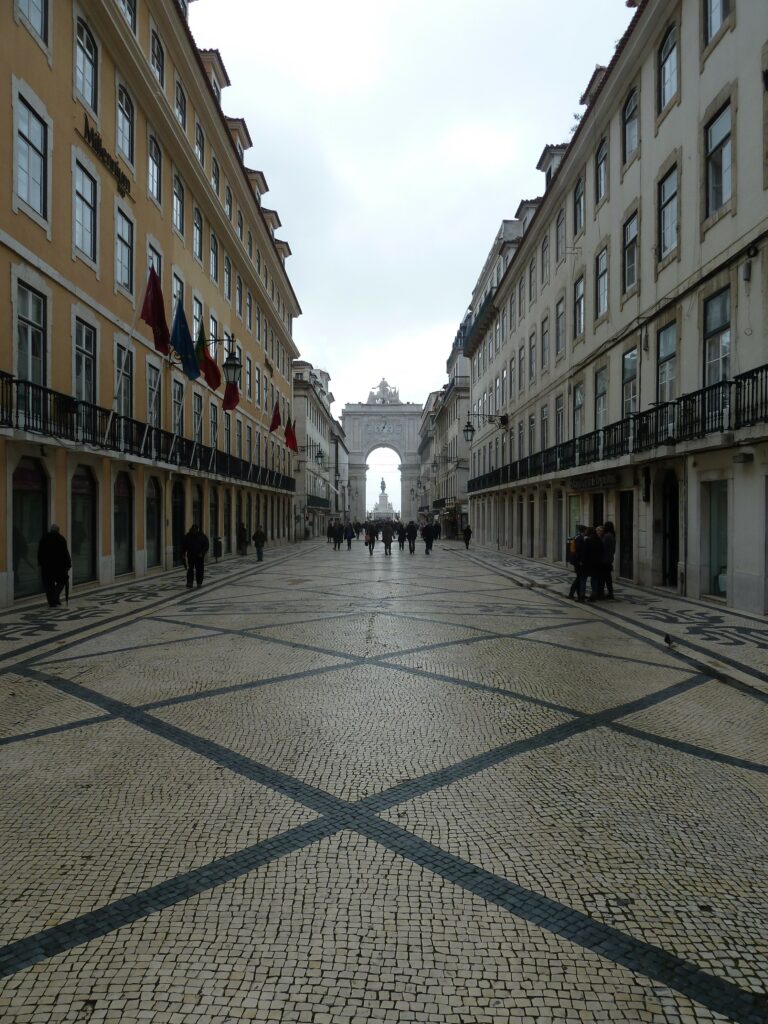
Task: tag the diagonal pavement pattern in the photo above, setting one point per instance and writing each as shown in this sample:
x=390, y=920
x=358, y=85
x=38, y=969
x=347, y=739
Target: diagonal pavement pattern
x=329, y=787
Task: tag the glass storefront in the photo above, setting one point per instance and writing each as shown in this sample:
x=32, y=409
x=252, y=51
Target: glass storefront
x=123, y=524
x=716, y=508
x=154, y=525
x=30, y=521
x=84, y=527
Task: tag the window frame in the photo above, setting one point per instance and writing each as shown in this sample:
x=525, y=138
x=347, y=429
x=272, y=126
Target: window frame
x=154, y=169
x=579, y=319
x=122, y=213
x=579, y=206
x=630, y=116
x=180, y=104
x=125, y=123
x=86, y=168
x=41, y=33
x=601, y=172
x=602, y=282
x=23, y=97
x=632, y=244
x=667, y=383
x=663, y=205
x=157, y=57
x=90, y=102
x=668, y=81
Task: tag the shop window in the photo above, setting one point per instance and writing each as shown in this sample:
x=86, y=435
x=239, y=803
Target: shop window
x=84, y=529
x=30, y=522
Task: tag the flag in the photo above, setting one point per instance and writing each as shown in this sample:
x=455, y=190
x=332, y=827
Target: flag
x=276, y=421
x=231, y=397
x=290, y=436
x=153, y=312
x=181, y=341
x=207, y=365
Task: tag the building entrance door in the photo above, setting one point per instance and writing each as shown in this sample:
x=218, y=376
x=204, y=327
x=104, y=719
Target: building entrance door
x=670, y=529
x=177, y=520
x=626, y=533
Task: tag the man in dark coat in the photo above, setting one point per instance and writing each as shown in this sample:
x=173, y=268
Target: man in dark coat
x=428, y=536
x=259, y=540
x=55, y=563
x=467, y=534
x=592, y=563
x=401, y=536
x=411, y=532
x=194, y=548
x=386, y=535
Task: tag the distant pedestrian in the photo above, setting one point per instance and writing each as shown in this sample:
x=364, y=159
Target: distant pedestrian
x=401, y=536
x=349, y=533
x=55, y=562
x=194, y=548
x=386, y=536
x=411, y=532
x=592, y=562
x=329, y=533
x=428, y=536
x=242, y=540
x=259, y=540
x=338, y=536
x=609, y=552
x=370, y=537
x=576, y=558
x=467, y=535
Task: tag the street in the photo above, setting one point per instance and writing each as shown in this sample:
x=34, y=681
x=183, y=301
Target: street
x=330, y=787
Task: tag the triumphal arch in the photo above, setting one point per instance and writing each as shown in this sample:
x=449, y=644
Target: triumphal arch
x=383, y=422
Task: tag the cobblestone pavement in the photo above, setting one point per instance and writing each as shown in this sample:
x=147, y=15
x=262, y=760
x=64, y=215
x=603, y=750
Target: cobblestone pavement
x=333, y=788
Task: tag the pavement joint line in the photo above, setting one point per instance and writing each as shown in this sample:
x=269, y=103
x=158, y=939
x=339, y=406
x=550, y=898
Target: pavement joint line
x=691, y=748
x=336, y=815
x=94, y=630
x=635, y=629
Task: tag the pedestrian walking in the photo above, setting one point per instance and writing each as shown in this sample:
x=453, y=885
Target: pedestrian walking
x=242, y=540
x=386, y=536
x=576, y=558
x=592, y=562
x=55, y=562
x=401, y=536
x=370, y=537
x=329, y=533
x=609, y=552
x=411, y=532
x=194, y=548
x=349, y=533
x=259, y=540
x=467, y=534
x=428, y=536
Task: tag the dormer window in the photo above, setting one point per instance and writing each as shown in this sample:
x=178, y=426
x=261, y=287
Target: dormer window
x=216, y=88
x=183, y=7
x=240, y=150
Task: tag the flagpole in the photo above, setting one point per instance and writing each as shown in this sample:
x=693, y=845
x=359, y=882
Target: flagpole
x=121, y=374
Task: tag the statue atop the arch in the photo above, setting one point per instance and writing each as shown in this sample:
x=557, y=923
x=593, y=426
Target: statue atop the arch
x=383, y=486
x=384, y=395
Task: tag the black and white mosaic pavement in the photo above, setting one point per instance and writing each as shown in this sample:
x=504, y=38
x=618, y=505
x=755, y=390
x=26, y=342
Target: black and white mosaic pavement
x=331, y=787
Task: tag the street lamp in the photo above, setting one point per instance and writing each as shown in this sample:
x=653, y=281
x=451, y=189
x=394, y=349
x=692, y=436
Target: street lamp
x=469, y=430
x=233, y=368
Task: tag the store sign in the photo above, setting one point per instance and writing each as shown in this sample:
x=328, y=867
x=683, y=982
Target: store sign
x=92, y=137
x=596, y=482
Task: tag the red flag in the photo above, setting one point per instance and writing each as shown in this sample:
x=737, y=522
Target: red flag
x=153, y=313
x=207, y=365
x=231, y=397
x=276, y=421
x=290, y=436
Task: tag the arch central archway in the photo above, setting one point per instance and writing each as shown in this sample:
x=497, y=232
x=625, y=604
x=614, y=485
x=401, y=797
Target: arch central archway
x=382, y=422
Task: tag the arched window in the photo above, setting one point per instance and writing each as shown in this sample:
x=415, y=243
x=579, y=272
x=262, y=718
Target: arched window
x=228, y=202
x=214, y=257
x=125, y=123
x=227, y=277
x=578, y=207
x=630, y=126
x=560, y=237
x=154, y=169
x=181, y=105
x=86, y=66
x=667, y=84
x=197, y=234
x=157, y=58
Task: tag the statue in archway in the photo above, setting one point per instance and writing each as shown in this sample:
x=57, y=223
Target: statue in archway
x=383, y=486
x=384, y=395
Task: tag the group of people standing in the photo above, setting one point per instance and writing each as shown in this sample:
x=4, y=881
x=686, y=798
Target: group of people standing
x=387, y=531
x=591, y=553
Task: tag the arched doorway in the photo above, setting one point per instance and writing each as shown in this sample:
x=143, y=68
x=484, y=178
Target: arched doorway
x=84, y=513
x=154, y=525
x=670, y=528
x=213, y=512
x=178, y=515
x=30, y=521
x=197, y=505
x=123, y=524
x=227, y=521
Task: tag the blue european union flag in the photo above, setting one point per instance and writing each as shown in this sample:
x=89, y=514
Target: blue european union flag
x=181, y=342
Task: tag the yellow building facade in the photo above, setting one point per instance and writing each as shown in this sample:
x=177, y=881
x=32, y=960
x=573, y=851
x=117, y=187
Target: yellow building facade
x=121, y=158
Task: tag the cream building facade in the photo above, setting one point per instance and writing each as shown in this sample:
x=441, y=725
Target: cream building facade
x=621, y=345
x=314, y=433
x=121, y=157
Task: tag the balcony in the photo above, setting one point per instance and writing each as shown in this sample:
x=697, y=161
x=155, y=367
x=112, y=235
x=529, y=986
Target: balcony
x=439, y=503
x=39, y=410
x=690, y=417
x=484, y=317
x=751, y=397
x=315, y=501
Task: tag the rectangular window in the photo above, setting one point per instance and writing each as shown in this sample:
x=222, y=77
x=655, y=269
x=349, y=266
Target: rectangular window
x=629, y=383
x=560, y=237
x=718, y=149
x=512, y=377
x=197, y=418
x=85, y=362
x=239, y=438
x=178, y=291
x=257, y=386
x=601, y=283
x=248, y=377
x=578, y=308
x=197, y=317
x=521, y=367
x=578, y=410
x=155, y=260
x=545, y=260
x=85, y=212
x=666, y=343
x=560, y=327
x=668, y=214
x=629, y=253
x=503, y=387
x=521, y=298
x=578, y=207
x=715, y=13
x=200, y=143
x=559, y=419
x=717, y=337
x=544, y=423
x=154, y=409
x=31, y=159
x=123, y=381
x=532, y=356
x=213, y=426
x=545, y=343
x=128, y=7
x=124, y=252
x=531, y=435
x=35, y=13
x=227, y=432
x=601, y=398
x=178, y=408
x=532, y=280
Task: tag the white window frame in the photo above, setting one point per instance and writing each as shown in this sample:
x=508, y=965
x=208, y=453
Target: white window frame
x=79, y=157
x=22, y=92
x=119, y=288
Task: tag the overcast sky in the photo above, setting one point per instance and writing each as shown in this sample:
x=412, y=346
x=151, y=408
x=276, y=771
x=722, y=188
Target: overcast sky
x=395, y=137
